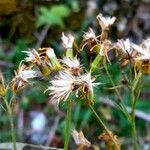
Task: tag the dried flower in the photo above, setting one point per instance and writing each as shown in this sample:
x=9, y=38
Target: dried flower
x=107, y=138
x=73, y=65
x=144, y=50
x=90, y=35
x=105, y=22
x=67, y=40
x=65, y=83
x=105, y=48
x=127, y=51
x=88, y=84
x=80, y=138
x=41, y=59
x=21, y=77
x=62, y=86
x=89, y=38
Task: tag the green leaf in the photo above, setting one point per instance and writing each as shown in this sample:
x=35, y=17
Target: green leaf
x=53, y=16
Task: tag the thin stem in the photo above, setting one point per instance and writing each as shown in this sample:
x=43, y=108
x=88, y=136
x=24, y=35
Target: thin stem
x=12, y=100
x=68, y=124
x=135, y=93
x=104, y=127
x=10, y=115
x=123, y=107
x=134, y=134
x=42, y=147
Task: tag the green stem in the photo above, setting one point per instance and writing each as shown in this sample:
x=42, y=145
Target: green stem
x=134, y=134
x=104, y=127
x=123, y=107
x=68, y=124
x=10, y=115
x=136, y=89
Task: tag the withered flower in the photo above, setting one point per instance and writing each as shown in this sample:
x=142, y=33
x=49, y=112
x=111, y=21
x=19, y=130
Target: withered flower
x=21, y=77
x=126, y=51
x=62, y=86
x=65, y=83
x=80, y=139
x=105, y=22
x=144, y=50
x=73, y=65
x=143, y=60
x=40, y=59
x=107, y=138
x=88, y=85
x=89, y=38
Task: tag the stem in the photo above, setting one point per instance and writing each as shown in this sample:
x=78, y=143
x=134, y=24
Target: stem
x=134, y=134
x=104, y=127
x=136, y=89
x=10, y=115
x=68, y=124
x=122, y=106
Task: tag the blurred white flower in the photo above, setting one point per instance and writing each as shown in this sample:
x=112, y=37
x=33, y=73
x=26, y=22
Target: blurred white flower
x=39, y=121
x=139, y=52
x=79, y=138
x=88, y=82
x=105, y=22
x=90, y=35
x=25, y=72
x=71, y=63
x=22, y=75
x=145, y=50
x=61, y=87
x=67, y=40
x=125, y=46
x=65, y=83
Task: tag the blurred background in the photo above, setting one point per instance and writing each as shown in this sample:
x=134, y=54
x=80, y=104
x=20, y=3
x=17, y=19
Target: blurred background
x=31, y=24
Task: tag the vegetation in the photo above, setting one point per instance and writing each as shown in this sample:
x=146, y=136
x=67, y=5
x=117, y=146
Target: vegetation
x=89, y=91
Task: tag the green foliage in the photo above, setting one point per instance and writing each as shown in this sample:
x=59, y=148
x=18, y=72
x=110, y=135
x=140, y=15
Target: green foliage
x=17, y=54
x=53, y=16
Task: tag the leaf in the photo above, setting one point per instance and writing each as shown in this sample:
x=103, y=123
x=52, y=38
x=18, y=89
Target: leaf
x=53, y=16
